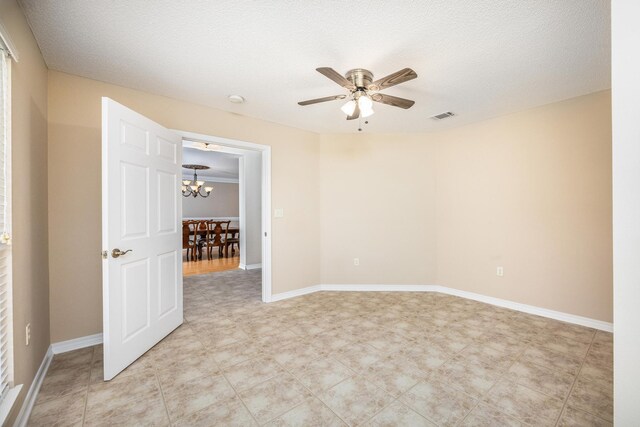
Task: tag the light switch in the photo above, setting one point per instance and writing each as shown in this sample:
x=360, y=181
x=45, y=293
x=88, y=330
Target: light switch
x=278, y=213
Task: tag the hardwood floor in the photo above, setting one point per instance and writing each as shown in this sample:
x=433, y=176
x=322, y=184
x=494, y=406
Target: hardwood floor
x=203, y=266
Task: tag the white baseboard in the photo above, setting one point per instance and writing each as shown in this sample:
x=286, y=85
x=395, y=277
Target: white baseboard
x=76, y=343
x=34, y=389
x=55, y=348
x=525, y=308
x=531, y=309
x=295, y=293
x=250, y=266
x=380, y=288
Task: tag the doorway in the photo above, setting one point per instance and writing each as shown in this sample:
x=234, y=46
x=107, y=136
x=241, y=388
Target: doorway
x=142, y=280
x=253, y=220
x=210, y=209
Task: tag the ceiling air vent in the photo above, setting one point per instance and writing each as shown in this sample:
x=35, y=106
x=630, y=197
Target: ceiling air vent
x=443, y=115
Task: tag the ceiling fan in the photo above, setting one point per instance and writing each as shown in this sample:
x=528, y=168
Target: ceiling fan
x=363, y=90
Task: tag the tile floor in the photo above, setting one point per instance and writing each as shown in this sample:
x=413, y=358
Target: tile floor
x=330, y=359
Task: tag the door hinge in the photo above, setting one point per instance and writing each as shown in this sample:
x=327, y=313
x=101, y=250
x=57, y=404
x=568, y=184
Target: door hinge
x=105, y=254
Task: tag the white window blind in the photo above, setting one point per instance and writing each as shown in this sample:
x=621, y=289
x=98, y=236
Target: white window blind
x=5, y=224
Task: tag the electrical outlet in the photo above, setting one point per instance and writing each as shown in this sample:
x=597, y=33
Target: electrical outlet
x=499, y=271
x=28, y=333
x=356, y=261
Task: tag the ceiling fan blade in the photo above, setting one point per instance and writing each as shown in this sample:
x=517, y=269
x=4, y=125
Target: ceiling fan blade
x=398, y=77
x=392, y=100
x=325, y=99
x=356, y=113
x=336, y=77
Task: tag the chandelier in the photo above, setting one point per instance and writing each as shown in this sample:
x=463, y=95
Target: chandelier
x=195, y=188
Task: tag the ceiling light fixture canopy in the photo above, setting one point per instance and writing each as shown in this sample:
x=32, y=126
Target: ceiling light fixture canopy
x=206, y=146
x=195, y=188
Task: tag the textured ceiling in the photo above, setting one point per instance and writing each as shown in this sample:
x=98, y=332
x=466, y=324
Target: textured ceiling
x=477, y=58
x=223, y=165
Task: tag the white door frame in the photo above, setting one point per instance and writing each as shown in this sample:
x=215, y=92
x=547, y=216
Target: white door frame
x=265, y=150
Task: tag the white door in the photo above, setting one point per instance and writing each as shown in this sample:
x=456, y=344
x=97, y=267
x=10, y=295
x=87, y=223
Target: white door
x=141, y=217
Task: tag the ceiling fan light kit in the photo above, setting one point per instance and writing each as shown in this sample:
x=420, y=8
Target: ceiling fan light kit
x=364, y=91
x=349, y=107
x=366, y=106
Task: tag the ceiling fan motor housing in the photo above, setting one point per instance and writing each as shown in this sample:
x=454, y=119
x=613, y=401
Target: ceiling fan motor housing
x=360, y=77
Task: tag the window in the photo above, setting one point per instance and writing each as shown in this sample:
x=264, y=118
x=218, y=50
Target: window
x=8, y=393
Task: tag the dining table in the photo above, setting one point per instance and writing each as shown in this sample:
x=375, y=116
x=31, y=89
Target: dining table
x=233, y=231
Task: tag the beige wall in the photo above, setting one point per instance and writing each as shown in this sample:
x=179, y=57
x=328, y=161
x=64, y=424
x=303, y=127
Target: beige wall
x=29, y=163
x=378, y=195
x=222, y=202
x=74, y=163
x=251, y=210
x=529, y=191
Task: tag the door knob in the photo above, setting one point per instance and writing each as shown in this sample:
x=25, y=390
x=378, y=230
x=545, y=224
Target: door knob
x=117, y=252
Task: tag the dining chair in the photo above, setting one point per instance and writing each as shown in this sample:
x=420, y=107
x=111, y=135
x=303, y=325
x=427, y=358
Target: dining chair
x=189, y=239
x=231, y=240
x=216, y=233
x=201, y=235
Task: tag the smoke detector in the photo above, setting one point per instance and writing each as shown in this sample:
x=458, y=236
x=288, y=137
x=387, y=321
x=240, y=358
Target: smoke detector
x=236, y=99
